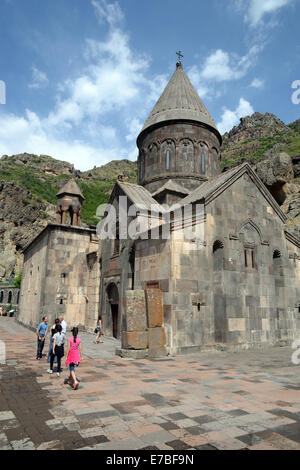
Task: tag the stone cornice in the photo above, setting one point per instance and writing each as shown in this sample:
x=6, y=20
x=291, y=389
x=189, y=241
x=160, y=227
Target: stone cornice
x=291, y=238
x=246, y=168
x=51, y=226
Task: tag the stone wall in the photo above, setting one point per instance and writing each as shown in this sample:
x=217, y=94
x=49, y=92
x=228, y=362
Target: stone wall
x=33, y=281
x=9, y=295
x=57, y=277
x=216, y=299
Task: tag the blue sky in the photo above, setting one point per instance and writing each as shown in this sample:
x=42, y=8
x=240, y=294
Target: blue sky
x=82, y=75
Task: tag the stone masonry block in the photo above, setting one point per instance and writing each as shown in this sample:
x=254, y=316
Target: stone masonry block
x=154, y=307
x=136, y=317
x=135, y=339
x=157, y=352
x=157, y=338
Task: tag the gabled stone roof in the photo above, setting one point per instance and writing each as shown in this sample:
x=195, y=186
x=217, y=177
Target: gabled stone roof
x=179, y=100
x=213, y=188
x=71, y=188
x=139, y=196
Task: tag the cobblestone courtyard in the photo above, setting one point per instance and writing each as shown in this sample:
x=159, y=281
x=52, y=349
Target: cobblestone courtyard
x=247, y=400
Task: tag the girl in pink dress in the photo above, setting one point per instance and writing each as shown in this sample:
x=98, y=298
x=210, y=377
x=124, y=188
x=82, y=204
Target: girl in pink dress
x=74, y=357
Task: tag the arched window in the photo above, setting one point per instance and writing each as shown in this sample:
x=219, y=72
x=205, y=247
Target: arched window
x=218, y=245
x=168, y=160
x=142, y=168
x=1, y=296
x=276, y=261
x=249, y=256
x=276, y=254
x=218, y=249
x=203, y=162
x=202, y=159
x=251, y=239
x=168, y=155
x=9, y=297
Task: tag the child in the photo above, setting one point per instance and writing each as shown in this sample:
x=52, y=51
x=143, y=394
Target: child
x=98, y=330
x=57, y=349
x=74, y=357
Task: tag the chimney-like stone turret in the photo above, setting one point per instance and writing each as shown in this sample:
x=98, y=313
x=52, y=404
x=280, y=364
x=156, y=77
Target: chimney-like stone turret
x=69, y=201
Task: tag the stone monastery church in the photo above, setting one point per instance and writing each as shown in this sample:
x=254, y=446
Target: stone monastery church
x=239, y=289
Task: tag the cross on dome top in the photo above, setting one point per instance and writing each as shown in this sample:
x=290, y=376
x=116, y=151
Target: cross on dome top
x=180, y=55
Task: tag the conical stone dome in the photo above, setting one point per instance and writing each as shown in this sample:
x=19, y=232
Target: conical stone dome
x=179, y=140
x=179, y=100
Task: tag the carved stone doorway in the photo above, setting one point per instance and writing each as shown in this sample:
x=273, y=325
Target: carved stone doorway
x=113, y=299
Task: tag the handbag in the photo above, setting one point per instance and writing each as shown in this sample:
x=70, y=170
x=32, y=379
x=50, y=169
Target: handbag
x=95, y=331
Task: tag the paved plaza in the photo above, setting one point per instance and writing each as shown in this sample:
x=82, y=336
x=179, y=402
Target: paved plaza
x=206, y=401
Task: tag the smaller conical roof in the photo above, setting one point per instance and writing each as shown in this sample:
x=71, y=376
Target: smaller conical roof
x=171, y=185
x=72, y=188
x=179, y=100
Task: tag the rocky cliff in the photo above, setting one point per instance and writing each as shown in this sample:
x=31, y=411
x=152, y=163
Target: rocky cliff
x=28, y=187
x=273, y=149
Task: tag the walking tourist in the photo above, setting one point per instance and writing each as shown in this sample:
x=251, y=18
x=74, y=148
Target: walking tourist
x=63, y=324
x=74, y=357
x=41, y=333
x=52, y=331
x=57, y=350
x=98, y=330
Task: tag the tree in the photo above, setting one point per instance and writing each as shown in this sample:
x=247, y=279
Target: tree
x=18, y=280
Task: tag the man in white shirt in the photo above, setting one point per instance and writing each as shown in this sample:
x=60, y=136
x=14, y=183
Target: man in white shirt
x=63, y=324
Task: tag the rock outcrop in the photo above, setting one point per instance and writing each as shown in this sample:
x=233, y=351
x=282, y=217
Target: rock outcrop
x=276, y=172
x=21, y=218
x=255, y=135
x=254, y=127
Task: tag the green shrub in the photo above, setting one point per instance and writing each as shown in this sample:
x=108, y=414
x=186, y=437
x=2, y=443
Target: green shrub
x=18, y=280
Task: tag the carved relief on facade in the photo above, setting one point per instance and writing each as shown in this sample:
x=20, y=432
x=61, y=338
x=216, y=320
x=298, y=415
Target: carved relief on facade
x=202, y=161
x=152, y=158
x=186, y=154
x=215, y=160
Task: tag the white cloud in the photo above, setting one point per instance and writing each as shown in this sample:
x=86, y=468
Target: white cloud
x=32, y=135
x=199, y=83
x=112, y=85
x=39, y=79
x=110, y=12
x=257, y=83
x=257, y=9
x=134, y=127
x=222, y=66
x=231, y=118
